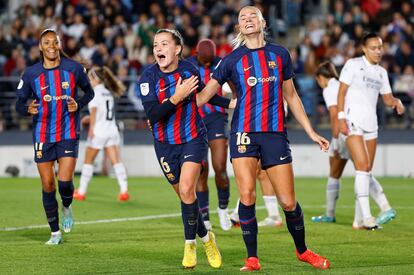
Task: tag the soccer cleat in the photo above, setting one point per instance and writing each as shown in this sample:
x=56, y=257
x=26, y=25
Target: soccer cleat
x=78, y=196
x=235, y=220
x=190, y=255
x=313, y=259
x=251, y=264
x=370, y=224
x=386, y=216
x=212, y=251
x=208, y=225
x=67, y=219
x=224, y=218
x=55, y=239
x=123, y=196
x=324, y=219
x=271, y=222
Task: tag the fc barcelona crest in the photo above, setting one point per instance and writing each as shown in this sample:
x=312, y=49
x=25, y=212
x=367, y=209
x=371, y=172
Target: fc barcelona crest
x=65, y=85
x=241, y=149
x=170, y=176
x=39, y=154
x=272, y=64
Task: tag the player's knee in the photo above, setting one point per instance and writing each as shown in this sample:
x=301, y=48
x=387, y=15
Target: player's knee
x=247, y=196
x=362, y=166
x=287, y=205
x=187, y=195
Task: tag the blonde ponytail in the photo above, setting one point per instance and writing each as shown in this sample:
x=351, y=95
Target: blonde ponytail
x=110, y=81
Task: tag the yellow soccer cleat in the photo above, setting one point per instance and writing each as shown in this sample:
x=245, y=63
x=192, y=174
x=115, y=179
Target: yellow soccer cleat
x=212, y=251
x=190, y=255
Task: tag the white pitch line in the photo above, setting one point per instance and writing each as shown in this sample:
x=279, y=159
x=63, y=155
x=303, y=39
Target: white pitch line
x=162, y=216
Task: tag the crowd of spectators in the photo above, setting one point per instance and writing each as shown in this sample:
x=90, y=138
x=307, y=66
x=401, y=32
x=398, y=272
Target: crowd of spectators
x=118, y=33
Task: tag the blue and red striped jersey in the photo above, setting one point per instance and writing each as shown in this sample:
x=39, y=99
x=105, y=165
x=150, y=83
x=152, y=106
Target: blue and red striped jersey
x=154, y=86
x=52, y=88
x=205, y=74
x=258, y=75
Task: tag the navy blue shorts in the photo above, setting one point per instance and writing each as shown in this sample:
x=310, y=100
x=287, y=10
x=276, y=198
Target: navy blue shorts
x=216, y=124
x=44, y=152
x=172, y=156
x=271, y=148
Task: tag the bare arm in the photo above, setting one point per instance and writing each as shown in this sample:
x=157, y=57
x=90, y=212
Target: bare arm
x=295, y=105
x=393, y=102
x=208, y=92
x=333, y=117
x=343, y=128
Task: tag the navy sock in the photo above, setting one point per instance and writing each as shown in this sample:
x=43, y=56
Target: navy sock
x=248, y=224
x=189, y=213
x=203, y=202
x=223, y=197
x=50, y=205
x=296, y=226
x=66, y=192
x=201, y=228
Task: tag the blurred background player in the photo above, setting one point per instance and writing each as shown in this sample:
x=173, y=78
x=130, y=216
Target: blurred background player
x=327, y=78
x=215, y=120
x=362, y=80
x=52, y=83
x=103, y=132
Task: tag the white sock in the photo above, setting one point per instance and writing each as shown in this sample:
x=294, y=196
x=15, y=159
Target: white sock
x=121, y=175
x=57, y=233
x=86, y=176
x=191, y=241
x=377, y=193
x=236, y=209
x=358, y=214
x=362, y=193
x=271, y=206
x=332, y=194
x=206, y=238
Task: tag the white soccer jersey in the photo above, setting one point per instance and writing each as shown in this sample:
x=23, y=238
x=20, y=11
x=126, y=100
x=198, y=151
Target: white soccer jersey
x=103, y=101
x=330, y=93
x=366, y=81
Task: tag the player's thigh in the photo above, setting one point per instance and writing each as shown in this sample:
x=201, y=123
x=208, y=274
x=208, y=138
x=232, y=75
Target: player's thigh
x=337, y=165
x=47, y=175
x=372, y=149
x=281, y=177
x=90, y=155
x=359, y=153
x=218, y=149
x=202, y=183
x=265, y=184
x=66, y=168
x=245, y=173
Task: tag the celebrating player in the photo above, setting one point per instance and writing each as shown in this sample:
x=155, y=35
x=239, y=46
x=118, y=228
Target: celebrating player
x=362, y=80
x=55, y=109
x=167, y=90
x=103, y=132
x=215, y=120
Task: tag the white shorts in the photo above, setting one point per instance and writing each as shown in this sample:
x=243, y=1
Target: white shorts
x=99, y=143
x=358, y=131
x=341, y=148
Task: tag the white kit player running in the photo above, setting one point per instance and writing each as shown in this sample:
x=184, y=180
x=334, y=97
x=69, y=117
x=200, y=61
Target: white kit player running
x=327, y=78
x=103, y=132
x=362, y=80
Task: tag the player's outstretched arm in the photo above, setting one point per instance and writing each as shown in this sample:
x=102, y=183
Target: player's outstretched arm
x=393, y=102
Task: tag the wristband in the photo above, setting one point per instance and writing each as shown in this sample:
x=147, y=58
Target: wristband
x=341, y=115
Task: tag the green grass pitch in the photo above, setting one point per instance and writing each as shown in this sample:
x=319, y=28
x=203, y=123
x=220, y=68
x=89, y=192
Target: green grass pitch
x=148, y=245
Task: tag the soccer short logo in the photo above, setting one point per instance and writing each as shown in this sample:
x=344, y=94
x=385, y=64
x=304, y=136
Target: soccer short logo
x=144, y=87
x=241, y=149
x=251, y=81
x=47, y=98
x=170, y=176
x=20, y=84
x=65, y=85
x=271, y=64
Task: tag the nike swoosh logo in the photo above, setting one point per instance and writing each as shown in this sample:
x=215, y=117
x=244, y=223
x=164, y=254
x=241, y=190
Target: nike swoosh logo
x=219, y=135
x=67, y=152
x=187, y=156
x=162, y=90
x=283, y=158
x=42, y=88
x=246, y=69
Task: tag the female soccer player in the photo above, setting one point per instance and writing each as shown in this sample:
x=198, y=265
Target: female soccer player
x=215, y=120
x=103, y=132
x=327, y=78
x=55, y=109
x=167, y=90
x=362, y=80
x=262, y=73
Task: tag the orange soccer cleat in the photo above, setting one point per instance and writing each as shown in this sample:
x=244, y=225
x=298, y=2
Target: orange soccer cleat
x=251, y=264
x=123, y=196
x=314, y=259
x=78, y=196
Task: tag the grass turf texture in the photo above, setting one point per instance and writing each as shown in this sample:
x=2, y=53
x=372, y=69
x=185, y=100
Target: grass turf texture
x=156, y=245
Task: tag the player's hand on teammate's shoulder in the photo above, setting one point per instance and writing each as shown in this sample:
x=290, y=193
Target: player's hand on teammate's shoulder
x=33, y=107
x=184, y=89
x=72, y=105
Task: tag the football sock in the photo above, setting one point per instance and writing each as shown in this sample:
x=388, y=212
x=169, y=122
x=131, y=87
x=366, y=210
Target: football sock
x=66, y=192
x=50, y=205
x=358, y=214
x=332, y=194
x=203, y=202
x=271, y=206
x=362, y=193
x=201, y=228
x=189, y=213
x=121, y=176
x=377, y=193
x=223, y=197
x=296, y=227
x=248, y=224
x=85, y=178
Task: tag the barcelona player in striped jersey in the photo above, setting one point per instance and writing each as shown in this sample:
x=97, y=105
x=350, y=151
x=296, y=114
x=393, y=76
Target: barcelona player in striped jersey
x=52, y=86
x=262, y=74
x=215, y=120
x=167, y=90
